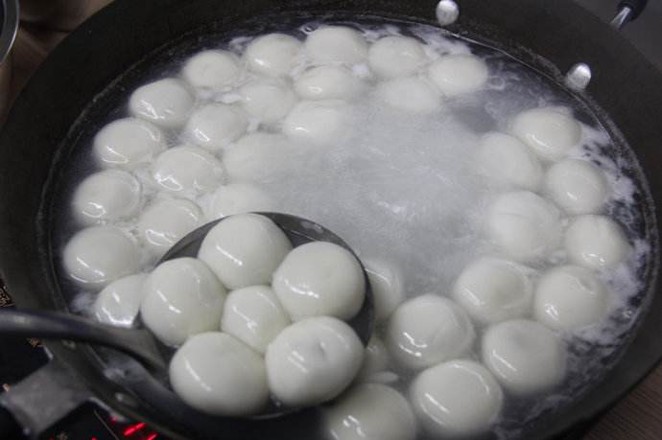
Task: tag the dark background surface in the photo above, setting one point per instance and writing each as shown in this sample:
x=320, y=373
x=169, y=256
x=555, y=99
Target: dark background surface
x=645, y=32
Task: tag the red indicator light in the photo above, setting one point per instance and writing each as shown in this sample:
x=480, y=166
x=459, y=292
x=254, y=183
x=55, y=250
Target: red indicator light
x=133, y=429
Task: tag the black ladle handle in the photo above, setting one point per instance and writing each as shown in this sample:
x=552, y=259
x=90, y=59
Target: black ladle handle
x=56, y=325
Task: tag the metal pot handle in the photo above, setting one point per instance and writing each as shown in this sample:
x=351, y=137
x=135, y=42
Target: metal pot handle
x=628, y=10
x=40, y=400
x=8, y=26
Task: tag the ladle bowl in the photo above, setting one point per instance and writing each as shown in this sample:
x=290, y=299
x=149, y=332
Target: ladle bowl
x=138, y=342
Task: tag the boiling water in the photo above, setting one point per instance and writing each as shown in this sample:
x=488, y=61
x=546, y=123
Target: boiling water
x=405, y=188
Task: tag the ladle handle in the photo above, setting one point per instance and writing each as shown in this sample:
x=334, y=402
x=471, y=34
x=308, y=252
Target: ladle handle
x=52, y=325
x=57, y=325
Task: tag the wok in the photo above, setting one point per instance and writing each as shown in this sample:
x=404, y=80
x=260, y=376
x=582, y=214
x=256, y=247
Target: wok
x=66, y=100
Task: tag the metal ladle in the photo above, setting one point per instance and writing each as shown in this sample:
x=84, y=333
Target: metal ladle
x=139, y=343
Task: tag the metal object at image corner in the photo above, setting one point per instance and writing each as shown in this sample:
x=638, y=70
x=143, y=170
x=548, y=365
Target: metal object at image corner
x=9, y=18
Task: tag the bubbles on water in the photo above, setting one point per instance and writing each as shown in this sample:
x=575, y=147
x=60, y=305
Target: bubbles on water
x=392, y=187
